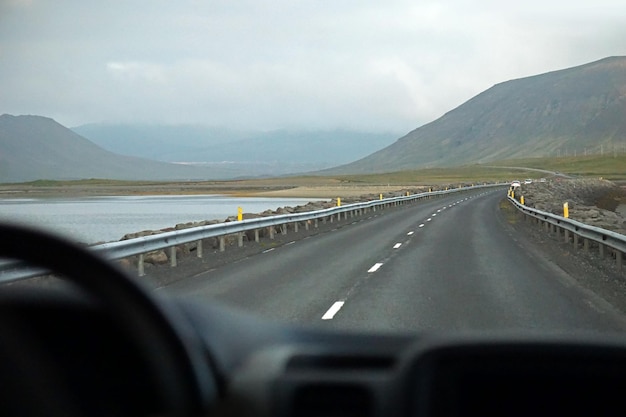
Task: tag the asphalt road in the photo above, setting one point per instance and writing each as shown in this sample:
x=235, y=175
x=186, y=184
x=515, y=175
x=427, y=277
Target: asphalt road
x=449, y=263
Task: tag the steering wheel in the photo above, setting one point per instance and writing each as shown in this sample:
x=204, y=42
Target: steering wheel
x=177, y=364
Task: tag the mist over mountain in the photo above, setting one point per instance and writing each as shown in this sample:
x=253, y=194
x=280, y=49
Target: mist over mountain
x=35, y=147
x=297, y=150
x=572, y=111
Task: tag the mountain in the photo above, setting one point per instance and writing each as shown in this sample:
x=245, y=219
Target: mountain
x=287, y=151
x=35, y=147
x=570, y=111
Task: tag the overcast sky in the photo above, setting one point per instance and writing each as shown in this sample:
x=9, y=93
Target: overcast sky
x=387, y=65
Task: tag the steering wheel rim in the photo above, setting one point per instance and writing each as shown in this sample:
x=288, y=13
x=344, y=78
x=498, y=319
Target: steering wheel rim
x=172, y=351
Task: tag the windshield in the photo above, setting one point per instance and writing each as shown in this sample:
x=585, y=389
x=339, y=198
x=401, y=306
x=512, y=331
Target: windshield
x=393, y=167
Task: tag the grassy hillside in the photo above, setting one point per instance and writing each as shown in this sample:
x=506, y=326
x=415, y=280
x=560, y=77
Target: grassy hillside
x=574, y=111
x=611, y=167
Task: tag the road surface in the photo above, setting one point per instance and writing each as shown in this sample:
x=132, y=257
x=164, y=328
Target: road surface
x=449, y=263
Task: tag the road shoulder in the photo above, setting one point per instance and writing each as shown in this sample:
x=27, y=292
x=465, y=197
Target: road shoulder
x=601, y=277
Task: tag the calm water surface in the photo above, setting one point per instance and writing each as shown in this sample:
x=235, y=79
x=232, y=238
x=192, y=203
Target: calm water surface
x=103, y=219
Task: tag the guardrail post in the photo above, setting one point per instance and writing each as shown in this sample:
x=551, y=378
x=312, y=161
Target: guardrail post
x=601, y=249
x=345, y=215
x=295, y=227
x=222, y=243
x=306, y=224
x=240, y=239
x=271, y=232
x=199, y=249
x=283, y=229
x=173, y=256
x=316, y=223
x=332, y=217
x=140, y=270
x=586, y=244
x=256, y=235
x=619, y=259
x=576, y=238
x=566, y=236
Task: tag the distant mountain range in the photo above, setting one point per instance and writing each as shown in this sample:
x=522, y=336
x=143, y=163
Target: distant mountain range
x=576, y=110
x=296, y=150
x=573, y=110
x=36, y=147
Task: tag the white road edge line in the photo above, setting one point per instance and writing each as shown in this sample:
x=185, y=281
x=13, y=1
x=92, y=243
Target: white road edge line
x=410, y=233
x=268, y=250
x=397, y=245
x=333, y=310
x=375, y=267
x=421, y=225
x=428, y=219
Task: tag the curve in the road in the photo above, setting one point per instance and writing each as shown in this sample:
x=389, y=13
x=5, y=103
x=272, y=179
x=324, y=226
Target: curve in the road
x=447, y=263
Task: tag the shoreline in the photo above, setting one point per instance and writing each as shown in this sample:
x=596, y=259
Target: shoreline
x=287, y=191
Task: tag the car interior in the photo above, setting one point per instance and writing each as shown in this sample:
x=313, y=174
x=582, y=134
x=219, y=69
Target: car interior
x=99, y=344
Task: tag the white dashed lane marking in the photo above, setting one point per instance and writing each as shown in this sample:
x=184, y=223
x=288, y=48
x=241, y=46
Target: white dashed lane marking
x=334, y=309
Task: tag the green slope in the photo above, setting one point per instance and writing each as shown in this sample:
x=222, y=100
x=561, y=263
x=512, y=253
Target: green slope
x=576, y=110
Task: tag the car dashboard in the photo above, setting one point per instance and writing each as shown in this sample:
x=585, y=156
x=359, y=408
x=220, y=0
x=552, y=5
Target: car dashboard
x=269, y=369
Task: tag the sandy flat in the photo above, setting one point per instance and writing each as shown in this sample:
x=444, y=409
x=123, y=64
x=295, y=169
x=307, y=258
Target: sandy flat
x=239, y=190
x=328, y=191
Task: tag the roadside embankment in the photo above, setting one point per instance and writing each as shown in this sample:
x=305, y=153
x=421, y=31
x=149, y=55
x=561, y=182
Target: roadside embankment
x=161, y=257
x=595, y=202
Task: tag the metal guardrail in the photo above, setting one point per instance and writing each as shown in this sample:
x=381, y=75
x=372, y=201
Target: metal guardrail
x=573, y=231
x=13, y=271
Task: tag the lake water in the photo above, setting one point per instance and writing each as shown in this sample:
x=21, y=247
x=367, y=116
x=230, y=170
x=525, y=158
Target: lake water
x=104, y=219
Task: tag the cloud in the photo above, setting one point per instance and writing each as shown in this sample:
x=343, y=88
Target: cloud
x=362, y=64
x=137, y=72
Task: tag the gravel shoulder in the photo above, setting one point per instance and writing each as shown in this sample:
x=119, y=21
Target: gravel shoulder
x=587, y=270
